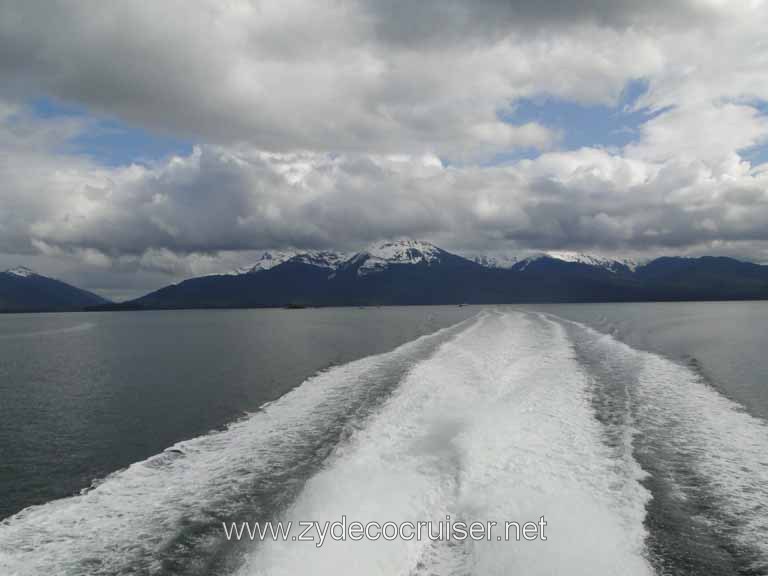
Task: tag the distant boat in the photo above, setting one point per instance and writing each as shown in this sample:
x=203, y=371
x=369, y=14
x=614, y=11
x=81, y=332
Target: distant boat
x=293, y=306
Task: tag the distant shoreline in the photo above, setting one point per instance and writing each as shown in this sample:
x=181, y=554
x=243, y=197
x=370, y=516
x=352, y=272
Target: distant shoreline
x=132, y=308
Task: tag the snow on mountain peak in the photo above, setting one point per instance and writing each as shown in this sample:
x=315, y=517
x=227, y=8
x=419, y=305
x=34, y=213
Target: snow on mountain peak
x=609, y=264
x=593, y=260
x=321, y=258
x=267, y=260
x=272, y=258
x=405, y=251
x=504, y=261
x=21, y=272
x=379, y=256
x=522, y=262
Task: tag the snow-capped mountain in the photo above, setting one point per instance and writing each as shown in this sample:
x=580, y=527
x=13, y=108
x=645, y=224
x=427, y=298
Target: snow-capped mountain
x=609, y=264
x=379, y=257
x=266, y=261
x=272, y=258
x=502, y=261
x=321, y=259
x=521, y=262
x=417, y=272
x=20, y=271
x=22, y=289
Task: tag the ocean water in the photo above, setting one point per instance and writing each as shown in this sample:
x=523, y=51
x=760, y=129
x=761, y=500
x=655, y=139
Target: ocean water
x=637, y=430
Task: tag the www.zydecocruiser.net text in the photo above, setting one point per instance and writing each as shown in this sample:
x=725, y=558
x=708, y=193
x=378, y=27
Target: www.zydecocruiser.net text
x=344, y=530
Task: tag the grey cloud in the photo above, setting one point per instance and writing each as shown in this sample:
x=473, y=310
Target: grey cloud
x=448, y=21
x=301, y=75
x=370, y=76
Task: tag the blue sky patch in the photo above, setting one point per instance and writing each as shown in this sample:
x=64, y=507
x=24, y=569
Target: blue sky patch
x=585, y=125
x=109, y=141
x=757, y=154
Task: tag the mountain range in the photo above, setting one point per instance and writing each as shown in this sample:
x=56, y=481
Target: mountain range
x=22, y=290
x=415, y=272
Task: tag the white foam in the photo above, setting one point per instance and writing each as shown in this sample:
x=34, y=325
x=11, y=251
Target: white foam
x=132, y=515
x=701, y=428
x=496, y=426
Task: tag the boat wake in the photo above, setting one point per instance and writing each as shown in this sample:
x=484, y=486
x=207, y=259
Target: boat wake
x=637, y=465
x=496, y=425
x=706, y=457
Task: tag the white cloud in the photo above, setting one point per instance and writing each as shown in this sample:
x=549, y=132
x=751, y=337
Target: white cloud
x=709, y=133
x=243, y=199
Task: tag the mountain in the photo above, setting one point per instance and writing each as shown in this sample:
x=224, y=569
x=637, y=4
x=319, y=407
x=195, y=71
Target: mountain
x=381, y=257
x=502, y=261
x=319, y=258
x=21, y=290
x=609, y=264
x=403, y=272
x=708, y=277
x=416, y=272
x=506, y=261
x=400, y=272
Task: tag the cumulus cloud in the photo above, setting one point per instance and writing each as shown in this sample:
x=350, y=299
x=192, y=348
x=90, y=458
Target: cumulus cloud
x=243, y=199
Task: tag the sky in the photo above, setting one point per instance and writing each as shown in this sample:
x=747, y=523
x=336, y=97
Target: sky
x=146, y=142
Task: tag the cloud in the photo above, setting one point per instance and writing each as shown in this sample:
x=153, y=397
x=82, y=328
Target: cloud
x=372, y=76
x=236, y=199
x=332, y=125
x=297, y=75
x=401, y=22
x=707, y=133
